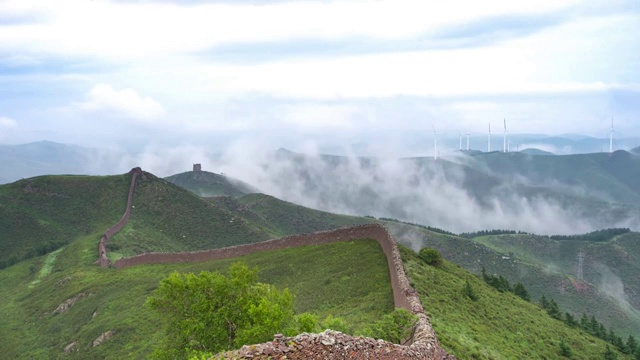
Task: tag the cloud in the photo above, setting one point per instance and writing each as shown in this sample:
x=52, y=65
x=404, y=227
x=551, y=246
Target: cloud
x=127, y=102
x=9, y=123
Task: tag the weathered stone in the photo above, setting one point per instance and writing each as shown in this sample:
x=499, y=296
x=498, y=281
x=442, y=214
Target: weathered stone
x=103, y=337
x=72, y=346
x=68, y=303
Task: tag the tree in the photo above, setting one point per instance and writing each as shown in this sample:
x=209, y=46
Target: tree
x=570, y=320
x=544, y=303
x=393, y=327
x=631, y=346
x=212, y=312
x=520, y=291
x=609, y=354
x=565, y=350
x=553, y=310
x=430, y=256
x=468, y=291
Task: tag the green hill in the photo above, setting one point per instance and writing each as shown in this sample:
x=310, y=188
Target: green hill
x=350, y=280
x=345, y=279
x=40, y=214
x=208, y=184
x=497, y=325
x=168, y=218
x=534, y=261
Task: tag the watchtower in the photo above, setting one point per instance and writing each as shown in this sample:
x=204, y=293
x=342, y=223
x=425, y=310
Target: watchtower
x=197, y=167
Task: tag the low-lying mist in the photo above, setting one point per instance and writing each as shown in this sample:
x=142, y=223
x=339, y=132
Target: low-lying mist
x=447, y=193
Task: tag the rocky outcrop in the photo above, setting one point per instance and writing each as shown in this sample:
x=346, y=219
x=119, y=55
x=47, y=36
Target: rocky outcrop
x=103, y=337
x=68, y=303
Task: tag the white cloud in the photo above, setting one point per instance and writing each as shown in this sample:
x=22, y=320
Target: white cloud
x=127, y=102
x=9, y=123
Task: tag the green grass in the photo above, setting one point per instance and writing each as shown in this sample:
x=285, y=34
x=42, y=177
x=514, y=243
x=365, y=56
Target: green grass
x=168, y=218
x=546, y=267
x=40, y=214
x=350, y=280
x=497, y=325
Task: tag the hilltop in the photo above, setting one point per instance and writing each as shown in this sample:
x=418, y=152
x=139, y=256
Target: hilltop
x=208, y=184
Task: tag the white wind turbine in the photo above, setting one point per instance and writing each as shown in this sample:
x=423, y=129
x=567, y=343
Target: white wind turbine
x=611, y=138
x=435, y=143
x=504, y=146
x=489, y=139
x=460, y=148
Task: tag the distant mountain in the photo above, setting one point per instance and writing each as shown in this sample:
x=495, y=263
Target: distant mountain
x=636, y=150
x=533, y=151
x=42, y=158
x=542, y=194
x=208, y=184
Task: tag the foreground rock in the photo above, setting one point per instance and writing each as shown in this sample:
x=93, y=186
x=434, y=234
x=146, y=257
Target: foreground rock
x=332, y=345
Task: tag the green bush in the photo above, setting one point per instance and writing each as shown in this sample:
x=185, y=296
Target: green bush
x=430, y=256
x=393, y=327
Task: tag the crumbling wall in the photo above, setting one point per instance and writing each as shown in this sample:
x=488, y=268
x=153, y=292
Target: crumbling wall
x=423, y=344
x=102, y=246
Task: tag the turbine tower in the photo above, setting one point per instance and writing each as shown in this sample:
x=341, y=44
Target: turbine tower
x=611, y=139
x=435, y=143
x=580, y=262
x=489, y=142
x=460, y=142
x=504, y=146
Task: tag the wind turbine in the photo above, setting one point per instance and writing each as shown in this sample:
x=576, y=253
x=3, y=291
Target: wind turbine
x=489, y=142
x=460, y=142
x=504, y=146
x=611, y=138
x=435, y=143
x=509, y=146
x=468, y=141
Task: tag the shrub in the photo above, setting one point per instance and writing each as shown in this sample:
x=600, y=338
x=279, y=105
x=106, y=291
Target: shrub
x=430, y=256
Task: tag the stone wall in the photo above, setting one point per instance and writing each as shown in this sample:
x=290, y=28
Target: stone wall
x=423, y=344
x=102, y=246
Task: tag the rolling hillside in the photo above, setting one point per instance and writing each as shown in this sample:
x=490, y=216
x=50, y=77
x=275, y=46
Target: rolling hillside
x=512, y=256
x=168, y=218
x=38, y=215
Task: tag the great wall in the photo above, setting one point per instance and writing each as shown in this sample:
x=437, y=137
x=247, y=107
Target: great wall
x=423, y=344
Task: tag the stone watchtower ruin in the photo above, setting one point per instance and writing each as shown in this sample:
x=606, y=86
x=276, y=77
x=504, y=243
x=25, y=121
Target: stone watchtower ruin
x=197, y=167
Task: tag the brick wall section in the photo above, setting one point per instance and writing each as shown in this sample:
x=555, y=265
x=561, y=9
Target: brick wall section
x=102, y=246
x=424, y=343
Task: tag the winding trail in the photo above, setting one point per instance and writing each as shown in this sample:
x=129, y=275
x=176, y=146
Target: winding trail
x=422, y=345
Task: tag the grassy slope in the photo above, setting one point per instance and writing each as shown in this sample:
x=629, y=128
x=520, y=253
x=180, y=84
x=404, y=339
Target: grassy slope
x=498, y=325
x=169, y=218
x=344, y=279
x=57, y=209
x=208, y=184
x=539, y=278
x=606, y=263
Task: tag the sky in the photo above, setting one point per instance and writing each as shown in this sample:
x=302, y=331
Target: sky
x=152, y=73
